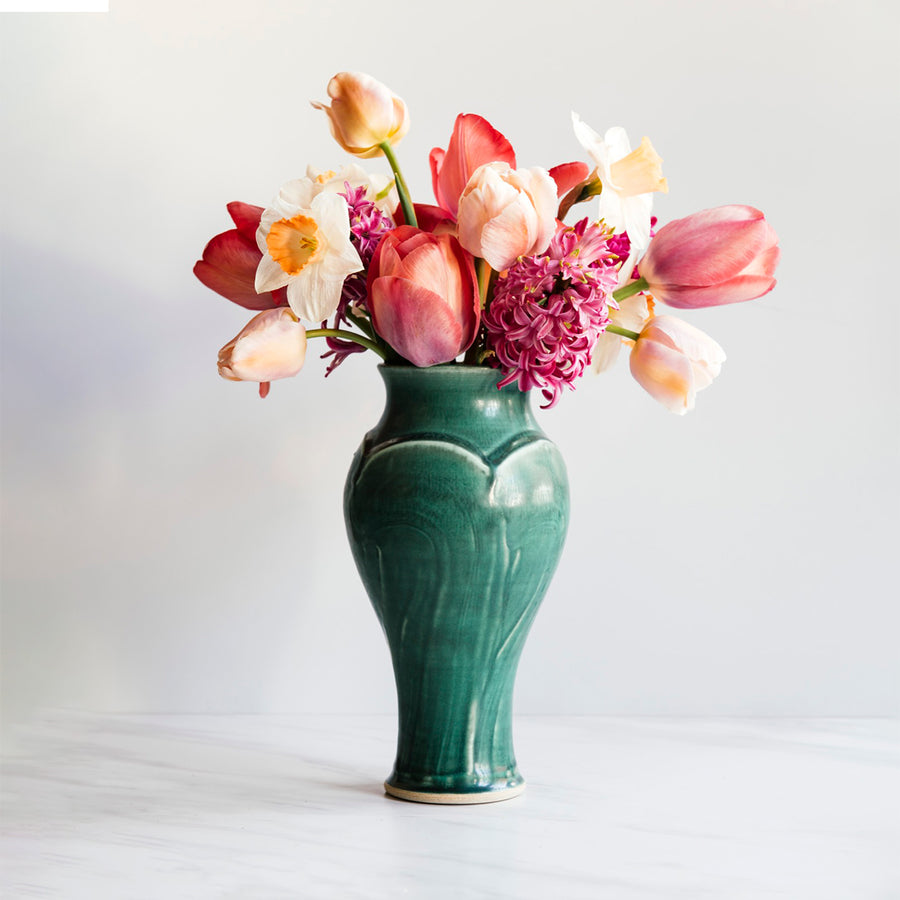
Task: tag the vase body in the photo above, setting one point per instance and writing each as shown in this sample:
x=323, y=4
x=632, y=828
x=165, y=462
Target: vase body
x=456, y=507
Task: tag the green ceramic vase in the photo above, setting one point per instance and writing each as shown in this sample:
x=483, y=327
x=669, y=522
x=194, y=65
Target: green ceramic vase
x=456, y=507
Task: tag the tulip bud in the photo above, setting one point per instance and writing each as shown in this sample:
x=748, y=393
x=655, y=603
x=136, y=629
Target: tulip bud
x=364, y=113
x=672, y=360
x=506, y=213
x=423, y=295
x=717, y=256
x=271, y=346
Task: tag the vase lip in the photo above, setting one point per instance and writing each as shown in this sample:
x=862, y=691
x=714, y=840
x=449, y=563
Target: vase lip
x=443, y=370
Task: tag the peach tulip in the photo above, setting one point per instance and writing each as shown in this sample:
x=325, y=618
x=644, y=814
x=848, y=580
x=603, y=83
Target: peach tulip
x=672, y=360
x=505, y=213
x=423, y=295
x=717, y=256
x=364, y=113
x=271, y=346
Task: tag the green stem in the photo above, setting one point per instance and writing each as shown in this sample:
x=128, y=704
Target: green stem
x=408, y=212
x=484, y=272
x=346, y=336
x=631, y=289
x=363, y=324
x=624, y=332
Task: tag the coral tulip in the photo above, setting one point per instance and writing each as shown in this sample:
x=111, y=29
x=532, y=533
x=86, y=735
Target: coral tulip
x=506, y=213
x=672, y=360
x=722, y=255
x=364, y=113
x=230, y=261
x=423, y=295
x=474, y=143
x=271, y=346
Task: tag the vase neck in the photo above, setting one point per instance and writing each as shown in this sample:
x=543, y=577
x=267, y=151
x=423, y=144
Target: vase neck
x=462, y=401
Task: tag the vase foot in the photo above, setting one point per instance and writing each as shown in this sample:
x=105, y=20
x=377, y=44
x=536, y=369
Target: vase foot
x=455, y=799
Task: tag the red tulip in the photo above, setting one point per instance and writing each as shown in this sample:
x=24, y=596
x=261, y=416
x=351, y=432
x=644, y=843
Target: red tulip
x=230, y=261
x=568, y=175
x=717, y=256
x=423, y=295
x=473, y=143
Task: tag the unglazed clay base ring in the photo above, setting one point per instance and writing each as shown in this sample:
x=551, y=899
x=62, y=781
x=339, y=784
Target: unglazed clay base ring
x=455, y=799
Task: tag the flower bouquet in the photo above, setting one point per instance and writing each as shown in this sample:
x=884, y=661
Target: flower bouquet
x=456, y=503
x=491, y=274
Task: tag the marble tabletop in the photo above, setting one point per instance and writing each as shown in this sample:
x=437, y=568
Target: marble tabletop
x=263, y=807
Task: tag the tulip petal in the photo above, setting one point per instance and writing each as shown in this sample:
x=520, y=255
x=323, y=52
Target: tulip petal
x=504, y=237
x=435, y=162
x=707, y=247
x=415, y=321
x=246, y=218
x=735, y=290
x=567, y=175
x=229, y=267
x=665, y=374
x=271, y=345
x=474, y=142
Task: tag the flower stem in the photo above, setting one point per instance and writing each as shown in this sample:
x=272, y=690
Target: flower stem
x=347, y=336
x=631, y=289
x=484, y=272
x=408, y=212
x=624, y=332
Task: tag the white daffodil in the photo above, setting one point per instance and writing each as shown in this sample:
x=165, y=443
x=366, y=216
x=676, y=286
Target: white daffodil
x=304, y=237
x=629, y=178
x=380, y=189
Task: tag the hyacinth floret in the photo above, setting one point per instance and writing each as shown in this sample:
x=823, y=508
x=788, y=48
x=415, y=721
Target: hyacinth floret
x=368, y=225
x=549, y=309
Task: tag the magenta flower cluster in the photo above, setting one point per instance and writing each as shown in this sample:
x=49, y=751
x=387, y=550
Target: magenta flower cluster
x=548, y=310
x=368, y=225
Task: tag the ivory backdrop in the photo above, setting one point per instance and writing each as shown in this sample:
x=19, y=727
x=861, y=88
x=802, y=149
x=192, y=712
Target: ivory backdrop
x=171, y=543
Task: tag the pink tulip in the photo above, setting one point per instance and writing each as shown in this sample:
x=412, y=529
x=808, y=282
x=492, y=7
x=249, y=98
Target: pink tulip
x=230, y=261
x=672, y=360
x=423, y=295
x=505, y=213
x=473, y=143
x=717, y=256
x=271, y=346
x=364, y=114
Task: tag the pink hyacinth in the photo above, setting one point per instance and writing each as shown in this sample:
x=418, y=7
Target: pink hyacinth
x=368, y=225
x=549, y=310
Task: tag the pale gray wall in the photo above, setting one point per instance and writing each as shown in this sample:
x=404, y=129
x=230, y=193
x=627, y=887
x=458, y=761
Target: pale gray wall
x=170, y=543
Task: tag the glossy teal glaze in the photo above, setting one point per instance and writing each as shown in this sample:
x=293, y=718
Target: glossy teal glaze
x=456, y=507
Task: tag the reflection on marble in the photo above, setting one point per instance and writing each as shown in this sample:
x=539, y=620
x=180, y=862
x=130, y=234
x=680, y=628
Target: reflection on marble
x=263, y=807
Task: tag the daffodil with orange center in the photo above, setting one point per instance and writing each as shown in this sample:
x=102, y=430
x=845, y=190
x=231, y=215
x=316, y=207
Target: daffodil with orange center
x=304, y=237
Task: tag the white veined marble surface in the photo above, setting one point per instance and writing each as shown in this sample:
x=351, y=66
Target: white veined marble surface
x=265, y=807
